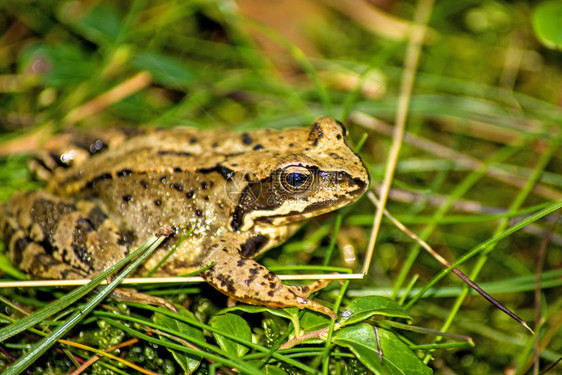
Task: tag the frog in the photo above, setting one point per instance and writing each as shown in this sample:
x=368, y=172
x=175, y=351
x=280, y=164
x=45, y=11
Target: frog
x=228, y=198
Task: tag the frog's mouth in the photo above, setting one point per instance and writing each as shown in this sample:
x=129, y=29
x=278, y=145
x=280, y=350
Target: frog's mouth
x=312, y=210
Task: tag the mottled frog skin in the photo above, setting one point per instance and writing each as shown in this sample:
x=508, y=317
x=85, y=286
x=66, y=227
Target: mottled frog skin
x=234, y=195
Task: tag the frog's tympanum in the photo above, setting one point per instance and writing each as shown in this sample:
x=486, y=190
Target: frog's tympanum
x=234, y=196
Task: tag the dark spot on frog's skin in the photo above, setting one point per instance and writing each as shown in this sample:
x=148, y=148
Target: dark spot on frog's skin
x=206, y=198
x=307, y=149
x=43, y=165
x=124, y=173
x=258, y=147
x=226, y=282
x=175, y=153
x=225, y=172
x=335, y=156
x=215, y=145
x=253, y=245
x=247, y=177
x=127, y=197
x=163, y=179
x=241, y=263
x=157, y=202
x=192, y=140
x=18, y=250
x=92, y=183
x=315, y=134
x=177, y=170
x=96, y=216
x=144, y=184
x=190, y=193
x=291, y=144
x=246, y=139
x=80, y=241
x=199, y=213
x=177, y=186
x=127, y=237
x=272, y=285
x=338, y=137
x=270, y=293
x=228, y=174
x=204, y=185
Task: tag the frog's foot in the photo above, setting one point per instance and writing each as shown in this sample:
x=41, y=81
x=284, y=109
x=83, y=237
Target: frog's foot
x=131, y=295
x=247, y=281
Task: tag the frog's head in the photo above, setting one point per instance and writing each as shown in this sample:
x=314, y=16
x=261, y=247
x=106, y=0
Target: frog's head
x=318, y=173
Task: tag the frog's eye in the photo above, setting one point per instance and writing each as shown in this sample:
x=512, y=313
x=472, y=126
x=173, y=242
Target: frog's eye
x=296, y=178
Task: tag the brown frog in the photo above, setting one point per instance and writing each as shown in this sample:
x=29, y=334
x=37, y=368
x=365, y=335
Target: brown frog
x=231, y=196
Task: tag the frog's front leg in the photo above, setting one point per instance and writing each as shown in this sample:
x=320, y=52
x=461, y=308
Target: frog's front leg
x=248, y=281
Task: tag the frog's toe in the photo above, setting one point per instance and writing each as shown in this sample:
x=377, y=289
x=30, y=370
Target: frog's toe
x=305, y=303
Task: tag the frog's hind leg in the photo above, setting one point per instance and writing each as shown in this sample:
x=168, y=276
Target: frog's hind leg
x=247, y=281
x=50, y=237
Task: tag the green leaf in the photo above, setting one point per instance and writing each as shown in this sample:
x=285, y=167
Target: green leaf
x=101, y=25
x=164, y=69
x=365, y=307
x=312, y=321
x=188, y=362
x=547, y=23
x=291, y=313
x=394, y=358
x=235, y=325
x=251, y=309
